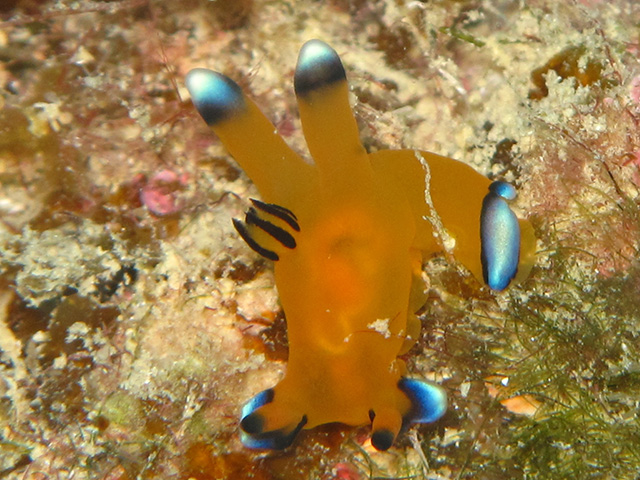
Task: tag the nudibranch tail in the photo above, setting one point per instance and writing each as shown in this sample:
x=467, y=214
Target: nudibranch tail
x=500, y=236
x=249, y=136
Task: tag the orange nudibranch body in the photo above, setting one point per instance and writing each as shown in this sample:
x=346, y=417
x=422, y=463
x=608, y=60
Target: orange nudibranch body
x=348, y=234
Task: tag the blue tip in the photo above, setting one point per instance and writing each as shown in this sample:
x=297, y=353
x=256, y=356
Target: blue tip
x=318, y=65
x=428, y=401
x=503, y=189
x=261, y=399
x=500, y=241
x=257, y=441
x=271, y=440
x=215, y=96
x=276, y=440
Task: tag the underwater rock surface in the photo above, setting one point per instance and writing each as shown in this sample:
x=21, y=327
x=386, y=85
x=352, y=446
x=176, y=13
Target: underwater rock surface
x=134, y=323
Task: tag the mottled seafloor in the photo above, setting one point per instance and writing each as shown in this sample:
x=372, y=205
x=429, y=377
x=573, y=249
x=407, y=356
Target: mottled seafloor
x=134, y=323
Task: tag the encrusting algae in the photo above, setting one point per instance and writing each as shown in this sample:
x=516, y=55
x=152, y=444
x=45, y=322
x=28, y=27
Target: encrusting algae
x=135, y=323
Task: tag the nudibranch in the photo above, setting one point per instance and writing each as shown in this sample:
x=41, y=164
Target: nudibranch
x=348, y=234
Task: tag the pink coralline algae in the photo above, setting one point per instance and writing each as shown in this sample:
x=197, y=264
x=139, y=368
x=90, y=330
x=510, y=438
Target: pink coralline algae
x=159, y=193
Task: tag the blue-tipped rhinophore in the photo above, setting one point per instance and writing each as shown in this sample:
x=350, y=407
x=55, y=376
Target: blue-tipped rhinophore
x=215, y=96
x=318, y=65
x=499, y=237
x=428, y=401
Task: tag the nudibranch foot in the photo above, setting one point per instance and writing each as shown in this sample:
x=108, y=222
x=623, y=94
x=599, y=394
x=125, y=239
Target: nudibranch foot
x=500, y=236
x=255, y=434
